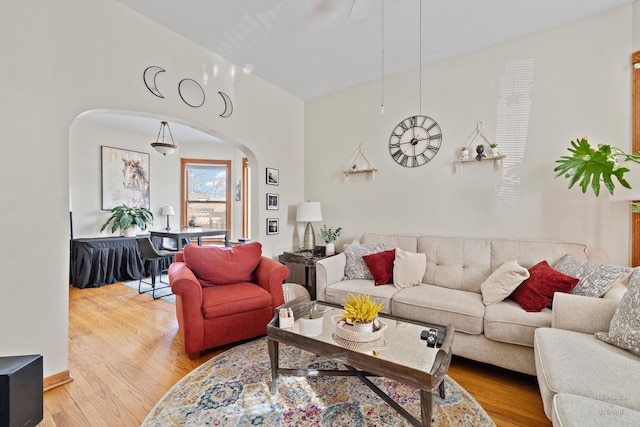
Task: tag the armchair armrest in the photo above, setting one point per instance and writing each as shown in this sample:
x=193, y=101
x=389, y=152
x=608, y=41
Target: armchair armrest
x=270, y=274
x=188, y=293
x=582, y=314
x=328, y=271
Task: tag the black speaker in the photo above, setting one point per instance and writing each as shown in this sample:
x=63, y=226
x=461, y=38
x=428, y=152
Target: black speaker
x=21, y=391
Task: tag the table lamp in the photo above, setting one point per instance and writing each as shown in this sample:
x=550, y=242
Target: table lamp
x=168, y=211
x=308, y=212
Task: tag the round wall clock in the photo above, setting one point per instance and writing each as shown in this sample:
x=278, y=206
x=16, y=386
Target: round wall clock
x=415, y=141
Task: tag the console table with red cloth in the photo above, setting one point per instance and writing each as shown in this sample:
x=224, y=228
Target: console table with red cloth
x=224, y=295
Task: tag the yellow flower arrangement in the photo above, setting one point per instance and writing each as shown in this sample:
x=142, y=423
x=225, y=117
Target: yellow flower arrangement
x=360, y=308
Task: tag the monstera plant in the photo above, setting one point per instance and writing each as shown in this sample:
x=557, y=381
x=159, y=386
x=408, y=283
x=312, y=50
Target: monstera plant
x=593, y=167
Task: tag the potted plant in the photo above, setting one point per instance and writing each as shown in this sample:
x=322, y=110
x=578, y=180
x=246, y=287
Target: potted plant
x=330, y=235
x=361, y=311
x=494, y=152
x=464, y=153
x=480, y=152
x=124, y=217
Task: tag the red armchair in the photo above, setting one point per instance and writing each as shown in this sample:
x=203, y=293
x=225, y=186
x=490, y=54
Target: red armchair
x=224, y=295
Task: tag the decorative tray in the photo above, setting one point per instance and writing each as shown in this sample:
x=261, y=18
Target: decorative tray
x=346, y=332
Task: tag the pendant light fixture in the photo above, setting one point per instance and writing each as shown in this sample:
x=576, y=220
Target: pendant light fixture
x=164, y=148
x=382, y=61
x=420, y=55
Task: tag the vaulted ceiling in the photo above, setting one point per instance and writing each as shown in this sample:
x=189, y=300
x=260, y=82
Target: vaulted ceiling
x=313, y=47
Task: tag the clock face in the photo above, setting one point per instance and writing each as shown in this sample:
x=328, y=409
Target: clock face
x=415, y=141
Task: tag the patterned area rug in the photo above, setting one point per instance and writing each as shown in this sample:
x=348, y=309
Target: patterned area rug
x=232, y=389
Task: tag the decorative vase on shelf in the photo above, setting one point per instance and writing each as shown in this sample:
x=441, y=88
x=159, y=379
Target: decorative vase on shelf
x=330, y=249
x=464, y=153
x=494, y=152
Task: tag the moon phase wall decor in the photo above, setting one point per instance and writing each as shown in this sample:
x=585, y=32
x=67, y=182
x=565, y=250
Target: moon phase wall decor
x=228, y=105
x=149, y=77
x=191, y=93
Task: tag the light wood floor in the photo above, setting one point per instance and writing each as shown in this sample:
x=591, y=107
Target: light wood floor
x=125, y=353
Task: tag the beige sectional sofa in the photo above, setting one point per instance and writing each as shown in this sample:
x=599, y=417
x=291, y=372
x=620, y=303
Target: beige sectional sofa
x=500, y=334
x=585, y=382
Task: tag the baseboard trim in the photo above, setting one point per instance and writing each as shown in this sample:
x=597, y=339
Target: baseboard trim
x=56, y=380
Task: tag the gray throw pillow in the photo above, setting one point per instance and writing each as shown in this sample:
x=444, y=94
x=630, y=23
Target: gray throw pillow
x=356, y=268
x=595, y=279
x=624, y=329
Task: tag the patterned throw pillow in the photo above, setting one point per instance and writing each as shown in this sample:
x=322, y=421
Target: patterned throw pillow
x=356, y=268
x=624, y=329
x=595, y=279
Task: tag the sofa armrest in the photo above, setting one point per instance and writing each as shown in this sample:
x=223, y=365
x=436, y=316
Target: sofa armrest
x=582, y=314
x=184, y=284
x=270, y=274
x=188, y=292
x=328, y=271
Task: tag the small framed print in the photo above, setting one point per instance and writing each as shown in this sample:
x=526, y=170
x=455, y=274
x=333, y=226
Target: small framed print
x=273, y=225
x=272, y=202
x=273, y=177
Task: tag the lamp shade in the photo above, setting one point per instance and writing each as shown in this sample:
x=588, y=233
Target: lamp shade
x=309, y=211
x=167, y=210
x=633, y=178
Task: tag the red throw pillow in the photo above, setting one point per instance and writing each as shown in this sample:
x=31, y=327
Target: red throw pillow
x=214, y=265
x=536, y=293
x=381, y=266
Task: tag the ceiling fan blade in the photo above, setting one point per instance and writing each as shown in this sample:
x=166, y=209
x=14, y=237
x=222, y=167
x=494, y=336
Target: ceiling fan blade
x=359, y=9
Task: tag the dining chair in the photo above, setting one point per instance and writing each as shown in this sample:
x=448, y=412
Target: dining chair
x=148, y=252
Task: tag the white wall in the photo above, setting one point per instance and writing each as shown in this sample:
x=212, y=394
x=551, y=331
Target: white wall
x=63, y=58
x=86, y=139
x=534, y=95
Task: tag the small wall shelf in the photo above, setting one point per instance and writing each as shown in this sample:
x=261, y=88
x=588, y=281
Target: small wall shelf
x=495, y=158
x=371, y=170
x=360, y=164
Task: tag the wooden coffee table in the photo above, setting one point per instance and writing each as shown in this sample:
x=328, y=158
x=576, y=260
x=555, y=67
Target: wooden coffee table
x=401, y=355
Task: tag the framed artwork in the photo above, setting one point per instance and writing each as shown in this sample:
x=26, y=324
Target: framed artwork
x=272, y=202
x=273, y=176
x=125, y=178
x=238, y=191
x=273, y=225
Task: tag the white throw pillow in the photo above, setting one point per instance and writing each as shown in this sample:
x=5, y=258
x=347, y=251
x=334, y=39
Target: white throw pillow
x=502, y=282
x=408, y=268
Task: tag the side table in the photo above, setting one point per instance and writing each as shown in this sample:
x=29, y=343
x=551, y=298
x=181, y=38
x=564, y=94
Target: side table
x=307, y=259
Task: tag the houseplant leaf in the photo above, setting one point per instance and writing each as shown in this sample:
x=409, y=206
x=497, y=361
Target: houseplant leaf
x=589, y=166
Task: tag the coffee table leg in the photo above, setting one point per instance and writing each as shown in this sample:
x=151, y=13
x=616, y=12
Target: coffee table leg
x=274, y=351
x=426, y=400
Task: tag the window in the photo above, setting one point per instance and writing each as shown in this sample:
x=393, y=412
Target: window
x=206, y=192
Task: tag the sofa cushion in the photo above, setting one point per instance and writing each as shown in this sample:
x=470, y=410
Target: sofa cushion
x=356, y=268
x=624, y=329
x=408, y=268
x=381, y=266
x=218, y=301
x=507, y=322
x=338, y=292
x=503, y=282
x=576, y=363
x=530, y=252
x=595, y=279
x=536, y=293
x=574, y=410
x=456, y=263
x=214, y=265
x=441, y=306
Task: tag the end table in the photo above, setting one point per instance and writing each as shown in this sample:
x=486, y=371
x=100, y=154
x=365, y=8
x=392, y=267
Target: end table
x=307, y=259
